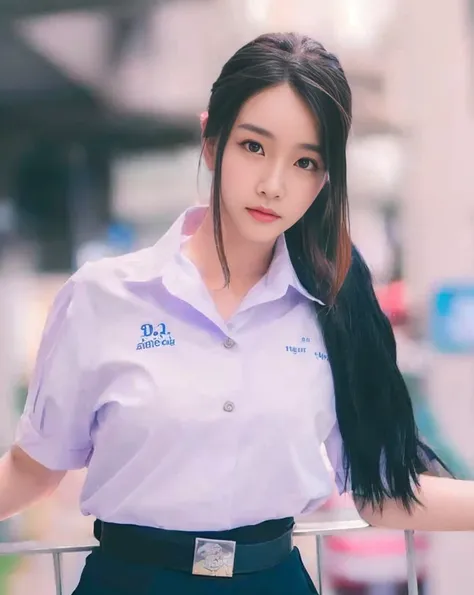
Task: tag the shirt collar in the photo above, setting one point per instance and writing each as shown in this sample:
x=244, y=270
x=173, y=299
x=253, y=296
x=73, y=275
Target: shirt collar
x=166, y=255
x=282, y=271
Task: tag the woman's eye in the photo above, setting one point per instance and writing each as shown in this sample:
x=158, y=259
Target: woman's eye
x=253, y=147
x=307, y=164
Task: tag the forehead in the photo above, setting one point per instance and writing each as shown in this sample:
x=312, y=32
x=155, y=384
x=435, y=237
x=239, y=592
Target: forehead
x=281, y=111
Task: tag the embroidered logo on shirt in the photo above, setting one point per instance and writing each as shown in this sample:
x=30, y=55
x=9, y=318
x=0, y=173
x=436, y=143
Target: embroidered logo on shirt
x=294, y=349
x=155, y=336
x=301, y=348
x=304, y=347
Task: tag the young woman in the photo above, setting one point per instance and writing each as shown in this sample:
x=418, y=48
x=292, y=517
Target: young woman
x=197, y=379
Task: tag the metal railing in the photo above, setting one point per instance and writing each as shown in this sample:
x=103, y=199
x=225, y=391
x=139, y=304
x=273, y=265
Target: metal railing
x=334, y=526
x=318, y=529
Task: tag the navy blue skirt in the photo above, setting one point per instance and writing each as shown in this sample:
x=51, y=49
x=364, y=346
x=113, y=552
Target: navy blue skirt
x=105, y=575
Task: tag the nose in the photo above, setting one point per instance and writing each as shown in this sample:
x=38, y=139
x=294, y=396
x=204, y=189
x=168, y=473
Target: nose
x=271, y=185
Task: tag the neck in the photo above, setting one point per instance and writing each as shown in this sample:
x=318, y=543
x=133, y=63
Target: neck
x=248, y=261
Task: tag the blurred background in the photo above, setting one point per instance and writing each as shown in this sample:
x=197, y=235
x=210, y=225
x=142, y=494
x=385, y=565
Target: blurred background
x=99, y=147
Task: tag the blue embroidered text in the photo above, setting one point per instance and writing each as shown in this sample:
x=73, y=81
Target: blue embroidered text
x=155, y=336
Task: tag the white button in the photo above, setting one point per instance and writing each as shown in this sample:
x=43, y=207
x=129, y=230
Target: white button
x=229, y=343
x=229, y=406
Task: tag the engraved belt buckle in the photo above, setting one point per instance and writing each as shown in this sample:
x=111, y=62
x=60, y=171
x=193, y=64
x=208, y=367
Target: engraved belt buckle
x=214, y=557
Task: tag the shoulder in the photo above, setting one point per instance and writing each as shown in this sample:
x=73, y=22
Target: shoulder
x=357, y=293
x=133, y=266
x=114, y=276
x=89, y=291
x=359, y=311
x=359, y=277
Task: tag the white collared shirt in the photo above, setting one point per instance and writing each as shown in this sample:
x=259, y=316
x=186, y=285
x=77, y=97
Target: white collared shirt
x=184, y=421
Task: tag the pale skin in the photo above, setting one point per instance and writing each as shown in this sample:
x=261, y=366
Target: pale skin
x=271, y=161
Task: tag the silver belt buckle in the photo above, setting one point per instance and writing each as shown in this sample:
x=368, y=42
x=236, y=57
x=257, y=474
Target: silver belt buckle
x=214, y=557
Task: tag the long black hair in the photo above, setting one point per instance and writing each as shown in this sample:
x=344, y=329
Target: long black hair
x=383, y=454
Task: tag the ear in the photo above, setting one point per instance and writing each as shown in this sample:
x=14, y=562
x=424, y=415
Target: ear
x=203, y=118
x=324, y=182
x=207, y=143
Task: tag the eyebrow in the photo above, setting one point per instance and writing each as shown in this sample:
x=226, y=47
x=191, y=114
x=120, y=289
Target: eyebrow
x=268, y=134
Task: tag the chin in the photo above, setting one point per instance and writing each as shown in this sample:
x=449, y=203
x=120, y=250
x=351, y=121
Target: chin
x=253, y=231
x=263, y=234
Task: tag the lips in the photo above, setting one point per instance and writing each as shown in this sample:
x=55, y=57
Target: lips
x=263, y=215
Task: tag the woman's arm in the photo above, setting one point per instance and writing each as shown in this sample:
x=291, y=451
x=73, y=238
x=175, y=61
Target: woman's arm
x=445, y=505
x=23, y=482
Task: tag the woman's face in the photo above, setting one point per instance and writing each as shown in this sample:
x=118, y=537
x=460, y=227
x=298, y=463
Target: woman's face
x=272, y=168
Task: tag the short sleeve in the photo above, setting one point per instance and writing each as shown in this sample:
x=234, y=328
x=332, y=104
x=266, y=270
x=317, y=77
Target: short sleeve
x=54, y=428
x=335, y=452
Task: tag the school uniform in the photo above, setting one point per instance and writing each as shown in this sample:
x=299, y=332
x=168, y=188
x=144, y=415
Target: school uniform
x=202, y=438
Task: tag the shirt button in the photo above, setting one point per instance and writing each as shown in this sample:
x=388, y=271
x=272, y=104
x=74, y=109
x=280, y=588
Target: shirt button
x=229, y=343
x=229, y=406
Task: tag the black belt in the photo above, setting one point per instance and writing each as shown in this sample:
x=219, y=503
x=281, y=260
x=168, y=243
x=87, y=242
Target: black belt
x=212, y=554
